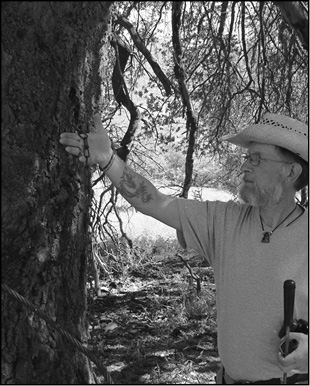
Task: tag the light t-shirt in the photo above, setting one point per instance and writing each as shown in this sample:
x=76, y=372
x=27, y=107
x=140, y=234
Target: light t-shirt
x=249, y=277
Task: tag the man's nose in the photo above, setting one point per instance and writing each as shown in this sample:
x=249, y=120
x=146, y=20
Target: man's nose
x=246, y=166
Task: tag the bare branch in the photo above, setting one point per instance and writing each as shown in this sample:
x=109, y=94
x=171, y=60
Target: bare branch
x=123, y=233
x=193, y=275
x=191, y=123
x=244, y=43
x=122, y=96
x=159, y=19
x=223, y=18
x=141, y=47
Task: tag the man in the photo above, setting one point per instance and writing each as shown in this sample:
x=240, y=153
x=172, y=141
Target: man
x=253, y=246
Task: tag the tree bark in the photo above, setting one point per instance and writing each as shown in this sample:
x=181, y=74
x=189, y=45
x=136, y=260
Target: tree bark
x=50, y=84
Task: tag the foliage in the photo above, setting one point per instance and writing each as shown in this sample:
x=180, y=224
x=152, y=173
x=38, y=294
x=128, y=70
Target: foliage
x=239, y=60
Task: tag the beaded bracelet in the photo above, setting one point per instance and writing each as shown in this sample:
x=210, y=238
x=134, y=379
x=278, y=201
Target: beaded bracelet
x=109, y=164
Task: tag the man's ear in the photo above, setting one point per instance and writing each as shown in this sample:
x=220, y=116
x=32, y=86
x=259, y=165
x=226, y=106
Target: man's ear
x=294, y=172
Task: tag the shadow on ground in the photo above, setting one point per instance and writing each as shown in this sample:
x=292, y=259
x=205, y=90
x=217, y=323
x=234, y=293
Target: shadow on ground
x=153, y=328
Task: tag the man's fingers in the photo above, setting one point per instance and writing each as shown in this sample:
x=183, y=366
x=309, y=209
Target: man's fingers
x=70, y=139
x=73, y=150
x=70, y=135
x=287, y=363
x=295, y=335
x=77, y=152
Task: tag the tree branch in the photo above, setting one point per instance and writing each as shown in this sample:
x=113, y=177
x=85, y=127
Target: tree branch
x=141, y=47
x=193, y=275
x=297, y=19
x=191, y=123
x=244, y=43
x=122, y=97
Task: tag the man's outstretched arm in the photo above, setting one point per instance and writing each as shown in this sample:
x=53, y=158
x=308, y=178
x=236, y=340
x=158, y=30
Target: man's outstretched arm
x=137, y=190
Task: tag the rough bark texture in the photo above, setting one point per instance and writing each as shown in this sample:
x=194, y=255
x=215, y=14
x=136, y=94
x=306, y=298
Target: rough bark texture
x=50, y=84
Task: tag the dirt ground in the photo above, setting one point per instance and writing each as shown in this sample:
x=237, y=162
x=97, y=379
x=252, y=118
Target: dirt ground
x=153, y=328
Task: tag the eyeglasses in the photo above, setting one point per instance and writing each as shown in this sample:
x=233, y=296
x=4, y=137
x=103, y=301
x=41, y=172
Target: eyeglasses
x=256, y=158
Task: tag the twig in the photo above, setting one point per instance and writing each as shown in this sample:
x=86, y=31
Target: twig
x=193, y=275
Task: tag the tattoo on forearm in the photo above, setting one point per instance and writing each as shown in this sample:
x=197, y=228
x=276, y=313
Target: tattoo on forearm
x=129, y=189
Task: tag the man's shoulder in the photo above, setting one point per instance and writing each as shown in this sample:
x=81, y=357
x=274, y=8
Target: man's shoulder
x=217, y=209
x=232, y=206
x=217, y=204
x=236, y=212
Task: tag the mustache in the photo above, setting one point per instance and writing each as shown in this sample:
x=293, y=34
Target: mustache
x=243, y=178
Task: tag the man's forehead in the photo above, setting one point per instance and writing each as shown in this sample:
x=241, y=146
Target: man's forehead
x=261, y=148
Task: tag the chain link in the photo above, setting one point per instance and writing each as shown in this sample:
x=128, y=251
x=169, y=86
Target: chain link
x=85, y=147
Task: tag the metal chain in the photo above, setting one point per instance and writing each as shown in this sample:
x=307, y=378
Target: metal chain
x=74, y=341
x=85, y=147
x=83, y=134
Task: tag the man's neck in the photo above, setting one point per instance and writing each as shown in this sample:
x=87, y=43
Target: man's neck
x=273, y=215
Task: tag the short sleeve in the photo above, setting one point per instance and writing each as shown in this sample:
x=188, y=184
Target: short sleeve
x=194, y=233
x=206, y=224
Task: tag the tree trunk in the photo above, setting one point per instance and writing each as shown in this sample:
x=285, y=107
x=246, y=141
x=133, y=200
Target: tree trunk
x=50, y=84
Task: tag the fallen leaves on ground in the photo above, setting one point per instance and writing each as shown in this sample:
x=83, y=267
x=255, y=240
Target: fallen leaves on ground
x=152, y=328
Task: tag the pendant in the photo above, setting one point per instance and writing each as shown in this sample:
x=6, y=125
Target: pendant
x=266, y=237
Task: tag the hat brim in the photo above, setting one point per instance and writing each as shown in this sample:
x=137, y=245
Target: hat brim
x=262, y=133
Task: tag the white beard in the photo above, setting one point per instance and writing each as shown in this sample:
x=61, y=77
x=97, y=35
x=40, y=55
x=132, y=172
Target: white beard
x=256, y=196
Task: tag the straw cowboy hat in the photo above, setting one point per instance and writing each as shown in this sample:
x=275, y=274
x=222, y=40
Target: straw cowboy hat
x=274, y=129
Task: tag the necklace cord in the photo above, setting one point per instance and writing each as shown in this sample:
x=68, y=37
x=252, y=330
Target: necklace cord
x=267, y=234
x=280, y=222
x=303, y=211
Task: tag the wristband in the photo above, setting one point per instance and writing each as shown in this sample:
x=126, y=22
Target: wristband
x=109, y=164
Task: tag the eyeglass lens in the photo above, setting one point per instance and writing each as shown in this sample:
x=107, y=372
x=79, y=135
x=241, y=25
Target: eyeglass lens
x=254, y=158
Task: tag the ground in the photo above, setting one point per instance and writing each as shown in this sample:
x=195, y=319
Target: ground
x=149, y=326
